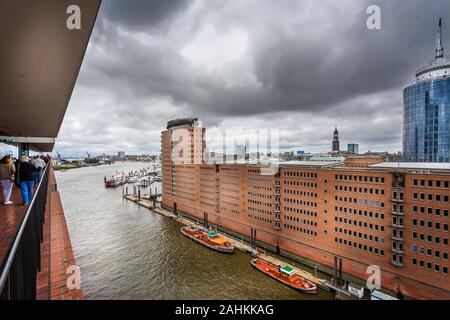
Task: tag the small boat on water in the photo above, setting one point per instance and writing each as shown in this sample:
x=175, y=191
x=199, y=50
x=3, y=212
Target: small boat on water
x=133, y=179
x=209, y=239
x=113, y=182
x=286, y=275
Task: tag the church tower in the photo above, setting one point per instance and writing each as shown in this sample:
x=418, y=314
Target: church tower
x=336, y=141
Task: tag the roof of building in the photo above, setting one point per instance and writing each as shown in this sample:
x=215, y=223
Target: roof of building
x=40, y=61
x=412, y=165
x=181, y=122
x=327, y=159
x=310, y=163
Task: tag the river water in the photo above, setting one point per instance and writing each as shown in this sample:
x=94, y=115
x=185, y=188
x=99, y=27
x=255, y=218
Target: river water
x=128, y=252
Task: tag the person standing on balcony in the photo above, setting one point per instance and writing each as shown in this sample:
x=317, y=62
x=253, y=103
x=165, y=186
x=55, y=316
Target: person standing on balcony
x=26, y=179
x=39, y=165
x=7, y=170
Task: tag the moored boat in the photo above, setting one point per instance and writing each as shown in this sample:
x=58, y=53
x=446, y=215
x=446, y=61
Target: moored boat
x=285, y=275
x=210, y=239
x=113, y=182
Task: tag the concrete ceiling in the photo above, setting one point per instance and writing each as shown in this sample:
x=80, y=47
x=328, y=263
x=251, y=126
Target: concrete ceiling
x=40, y=59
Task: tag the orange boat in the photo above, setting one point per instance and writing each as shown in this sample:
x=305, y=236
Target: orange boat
x=286, y=275
x=209, y=239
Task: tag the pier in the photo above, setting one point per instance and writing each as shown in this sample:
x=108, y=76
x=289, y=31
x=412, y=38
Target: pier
x=148, y=203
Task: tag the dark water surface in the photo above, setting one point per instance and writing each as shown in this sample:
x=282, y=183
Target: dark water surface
x=128, y=252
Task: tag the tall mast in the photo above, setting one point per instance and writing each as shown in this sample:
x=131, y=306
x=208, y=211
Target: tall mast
x=439, y=47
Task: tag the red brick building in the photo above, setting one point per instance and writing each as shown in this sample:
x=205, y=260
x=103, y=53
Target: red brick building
x=366, y=211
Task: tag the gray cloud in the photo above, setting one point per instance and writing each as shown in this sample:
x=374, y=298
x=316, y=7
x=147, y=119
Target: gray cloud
x=299, y=66
x=140, y=15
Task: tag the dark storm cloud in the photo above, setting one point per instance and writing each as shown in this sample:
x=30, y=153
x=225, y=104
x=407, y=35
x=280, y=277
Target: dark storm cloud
x=141, y=14
x=301, y=59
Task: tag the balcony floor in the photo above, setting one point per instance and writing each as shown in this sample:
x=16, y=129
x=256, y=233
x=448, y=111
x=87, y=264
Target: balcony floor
x=56, y=249
x=11, y=217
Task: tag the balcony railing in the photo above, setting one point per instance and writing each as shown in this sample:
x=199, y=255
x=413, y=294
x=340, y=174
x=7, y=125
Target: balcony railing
x=398, y=251
x=397, y=264
x=22, y=262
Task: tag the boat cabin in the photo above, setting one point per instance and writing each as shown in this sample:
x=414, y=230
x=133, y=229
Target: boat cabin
x=212, y=234
x=288, y=271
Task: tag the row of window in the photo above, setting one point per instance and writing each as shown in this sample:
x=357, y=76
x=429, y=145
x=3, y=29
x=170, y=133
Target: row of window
x=365, y=179
x=230, y=176
x=229, y=183
x=257, y=179
x=431, y=183
x=429, y=224
x=429, y=238
x=429, y=252
x=260, y=195
x=430, y=197
x=360, y=246
x=225, y=209
x=301, y=193
x=430, y=211
x=208, y=204
x=300, y=184
x=226, y=196
x=303, y=221
x=259, y=218
x=300, y=174
x=235, y=191
x=260, y=203
x=300, y=202
x=359, y=190
x=360, y=212
x=207, y=185
x=301, y=230
x=359, y=235
x=429, y=266
x=186, y=197
x=258, y=210
x=300, y=211
x=231, y=204
x=257, y=187
x=361, y=202
x=360, y=224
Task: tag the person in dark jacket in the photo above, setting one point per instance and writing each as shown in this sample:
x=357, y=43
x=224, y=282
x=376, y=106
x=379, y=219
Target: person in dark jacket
x=26, y=176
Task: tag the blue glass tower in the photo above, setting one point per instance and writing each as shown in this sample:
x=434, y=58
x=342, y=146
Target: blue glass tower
x=426, y=114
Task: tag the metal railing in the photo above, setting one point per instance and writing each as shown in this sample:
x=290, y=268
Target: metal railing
x=22, y=262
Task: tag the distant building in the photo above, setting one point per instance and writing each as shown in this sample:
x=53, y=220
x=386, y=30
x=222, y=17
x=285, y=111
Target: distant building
x=240, y=153
x=326, y=158
x=426, y=121
x=353, y=148
x=336, y=147
x=121, y=155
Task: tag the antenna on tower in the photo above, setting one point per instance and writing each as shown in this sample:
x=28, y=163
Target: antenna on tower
x=439, y=47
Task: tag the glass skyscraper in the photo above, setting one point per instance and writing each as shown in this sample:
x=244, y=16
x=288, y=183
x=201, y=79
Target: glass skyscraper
x=426, y=115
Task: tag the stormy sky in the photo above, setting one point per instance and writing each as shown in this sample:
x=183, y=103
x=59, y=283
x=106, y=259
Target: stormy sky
x=299, y=66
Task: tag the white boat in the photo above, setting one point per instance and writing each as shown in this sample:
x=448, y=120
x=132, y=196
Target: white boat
x=113, y=182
